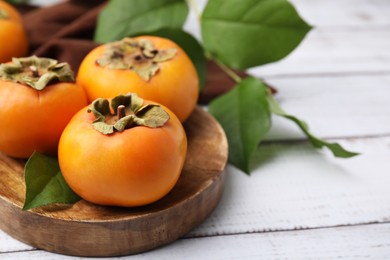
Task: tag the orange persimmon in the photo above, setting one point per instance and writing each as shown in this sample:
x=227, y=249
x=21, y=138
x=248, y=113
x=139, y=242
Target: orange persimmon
x=155, y=68
x=131, y=158
x=13, y=38
x=38, y=98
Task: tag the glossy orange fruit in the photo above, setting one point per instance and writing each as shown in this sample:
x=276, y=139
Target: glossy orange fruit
x=153, y=67
x=13, y=39
x=134, y=167
x=34, y=119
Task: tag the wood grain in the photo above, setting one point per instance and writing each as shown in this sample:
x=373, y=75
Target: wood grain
x=334, y=52
x=295, y=187
x=85, y=229
x=333, y=107
x=352, y=242
x=349, y=13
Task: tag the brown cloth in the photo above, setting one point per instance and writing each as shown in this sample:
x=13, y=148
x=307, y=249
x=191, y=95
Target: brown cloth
x=64, y=31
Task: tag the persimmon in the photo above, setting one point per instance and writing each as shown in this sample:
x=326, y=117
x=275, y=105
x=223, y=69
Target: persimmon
x=38, y=97
x=155, y=68
x=129, y=158
x=13, y=38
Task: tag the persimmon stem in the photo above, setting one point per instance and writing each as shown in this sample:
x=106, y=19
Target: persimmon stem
x=34, y=71
x=121, y=111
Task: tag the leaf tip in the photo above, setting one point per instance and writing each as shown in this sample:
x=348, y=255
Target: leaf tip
x=346, y=154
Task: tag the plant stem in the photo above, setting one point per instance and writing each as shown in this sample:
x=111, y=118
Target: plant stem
x=34, y=71
x=231, y=73
x=121, y=112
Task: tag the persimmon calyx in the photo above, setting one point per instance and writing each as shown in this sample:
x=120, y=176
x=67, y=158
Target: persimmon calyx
x=138, y=55
x=35, y=72
x=3, y=14
x=129, y=112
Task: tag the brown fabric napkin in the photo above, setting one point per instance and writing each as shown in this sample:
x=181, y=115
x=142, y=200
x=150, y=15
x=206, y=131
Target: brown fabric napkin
x=64, y=31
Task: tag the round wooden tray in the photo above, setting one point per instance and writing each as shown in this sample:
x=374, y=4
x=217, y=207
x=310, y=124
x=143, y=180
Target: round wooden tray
x=85, y=229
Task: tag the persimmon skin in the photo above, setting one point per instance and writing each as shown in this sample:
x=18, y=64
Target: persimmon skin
x=175, y=85
x=33, y=120
x=131, y=168
x=13, y=38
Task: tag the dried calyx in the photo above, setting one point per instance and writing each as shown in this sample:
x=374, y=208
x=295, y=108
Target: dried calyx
x=138, y=55
x=129, y=112
x=3, y=14
x=36, y=72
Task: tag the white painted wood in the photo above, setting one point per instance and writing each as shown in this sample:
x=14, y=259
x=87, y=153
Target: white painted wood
x=348, y=243
x=8, y=244
x=296, y=187
x=370, y=242
x=332, y=51
x=339, y=106
x=355, y=242
x=345, y=13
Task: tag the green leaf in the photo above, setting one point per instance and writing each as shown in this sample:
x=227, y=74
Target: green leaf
x=45, y=183
x=121, y=18
x=244, y=114
x=248, y=33
x=191, y=46
x=335, y=148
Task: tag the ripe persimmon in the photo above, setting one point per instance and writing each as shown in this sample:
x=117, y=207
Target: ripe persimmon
x=38, y=97
x=155, y=68
x=131, y=158
x=13, y=38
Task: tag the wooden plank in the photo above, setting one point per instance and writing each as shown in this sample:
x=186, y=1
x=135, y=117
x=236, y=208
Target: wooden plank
x=328, y=51
x=297, y=187
x=339, y=106
x=355, y=242
x=345, y=242
x=346, y=13
x=8, y=244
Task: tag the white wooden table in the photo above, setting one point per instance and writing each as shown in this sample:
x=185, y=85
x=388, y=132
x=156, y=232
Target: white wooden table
x=302, y=203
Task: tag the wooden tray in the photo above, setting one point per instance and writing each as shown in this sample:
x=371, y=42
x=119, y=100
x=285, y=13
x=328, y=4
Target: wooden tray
x=85, y=229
